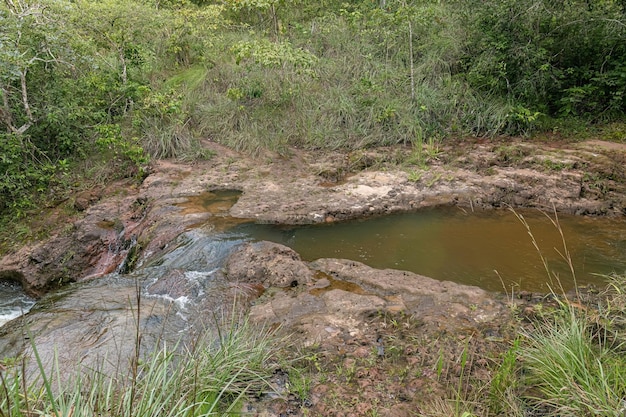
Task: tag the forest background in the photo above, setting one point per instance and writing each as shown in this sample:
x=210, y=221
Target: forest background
x=90, y=91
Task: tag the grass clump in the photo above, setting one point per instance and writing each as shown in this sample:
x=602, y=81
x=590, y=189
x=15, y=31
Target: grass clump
x=571, y=360
x=571, y=371
x=213, y=377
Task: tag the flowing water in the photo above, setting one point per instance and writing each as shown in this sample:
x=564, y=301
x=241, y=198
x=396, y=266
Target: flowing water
x=97, y=322
x=186, y=287
x=489, y=249
x=13, y=301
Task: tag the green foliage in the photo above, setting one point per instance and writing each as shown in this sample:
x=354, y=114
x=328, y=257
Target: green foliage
x=504, y=384
x=260, y=13
x=275, y=55
x=190, y=33
x=54, y=91
x=122, y=151
x=271, y=74
x=556, y=57
x=572, y=372
x=73, y=75
x=22, y=174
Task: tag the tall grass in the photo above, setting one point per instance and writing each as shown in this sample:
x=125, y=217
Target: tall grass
x=333, y=75
x=210, y=378
x=571, y=371
x=356, y=93
x=572, y=361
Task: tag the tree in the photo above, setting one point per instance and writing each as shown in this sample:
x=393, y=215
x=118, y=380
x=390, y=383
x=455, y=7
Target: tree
x=23, y=45
x=565, y=58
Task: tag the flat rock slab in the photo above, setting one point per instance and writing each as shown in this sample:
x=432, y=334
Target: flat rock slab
x=320, y=314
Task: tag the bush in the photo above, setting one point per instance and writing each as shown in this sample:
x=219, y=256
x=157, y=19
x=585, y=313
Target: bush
x=25, y=172
x=556, y=57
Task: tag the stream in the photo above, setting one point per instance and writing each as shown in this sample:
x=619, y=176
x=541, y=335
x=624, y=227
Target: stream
x=13, y=301
x=97, y=321
x=489, y=249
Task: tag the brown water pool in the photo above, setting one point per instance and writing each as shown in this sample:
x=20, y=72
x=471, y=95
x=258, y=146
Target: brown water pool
x=490, y=249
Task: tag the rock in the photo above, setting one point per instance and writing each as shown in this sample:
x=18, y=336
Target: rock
x=174, y=284
x=271, y=264
x=346, y=304
x=91, y=326
x=287, y=191
x=419, y=312
x=85, y=199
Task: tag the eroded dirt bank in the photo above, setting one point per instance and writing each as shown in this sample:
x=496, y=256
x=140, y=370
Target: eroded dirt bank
x=383, y=340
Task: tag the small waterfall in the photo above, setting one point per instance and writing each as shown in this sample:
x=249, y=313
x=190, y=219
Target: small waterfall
x=121, y=252
x=13, y=301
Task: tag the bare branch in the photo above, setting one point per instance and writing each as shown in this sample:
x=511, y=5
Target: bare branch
x=12, y=7
x=23, y=128
x=5, y=111
x=20, y=9
x=25, y=103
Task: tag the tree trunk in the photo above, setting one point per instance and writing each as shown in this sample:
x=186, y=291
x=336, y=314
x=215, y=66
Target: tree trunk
x=25, y=104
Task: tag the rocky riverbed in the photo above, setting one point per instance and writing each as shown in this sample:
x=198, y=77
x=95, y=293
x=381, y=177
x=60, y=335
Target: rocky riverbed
x=585, y=178
x=383, y=340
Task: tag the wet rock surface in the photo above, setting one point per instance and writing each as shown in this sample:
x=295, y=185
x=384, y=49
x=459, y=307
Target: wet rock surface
x=383, y=339
x=90, y=327
x=104, y=324
x=584, y=178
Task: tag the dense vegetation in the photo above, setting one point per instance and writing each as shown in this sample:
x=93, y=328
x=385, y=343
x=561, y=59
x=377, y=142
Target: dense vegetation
x=96, y=88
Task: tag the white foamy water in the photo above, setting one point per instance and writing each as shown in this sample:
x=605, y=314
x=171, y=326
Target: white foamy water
x=13, y=302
